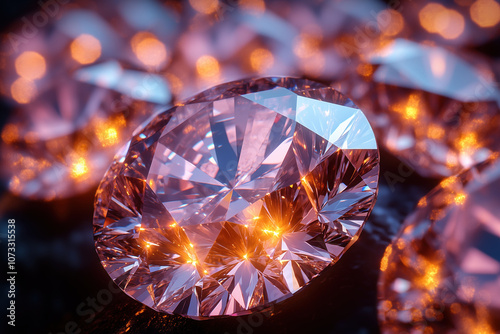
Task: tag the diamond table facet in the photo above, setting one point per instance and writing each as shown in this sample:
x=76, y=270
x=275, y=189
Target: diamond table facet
x=237, y=198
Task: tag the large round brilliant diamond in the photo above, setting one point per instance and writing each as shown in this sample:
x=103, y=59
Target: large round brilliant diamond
x=238, y=198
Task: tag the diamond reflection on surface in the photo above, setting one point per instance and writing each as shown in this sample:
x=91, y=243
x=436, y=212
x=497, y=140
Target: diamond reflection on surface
x=238, y=198
x=442, y=273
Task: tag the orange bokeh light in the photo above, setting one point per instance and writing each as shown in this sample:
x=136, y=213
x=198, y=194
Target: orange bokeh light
x=148, y=49
x=412, y=108
x=204, y=6
x=79, y=168
x=85, y=49
x=207, y=66
x=436, y=18
x=10, y=133
x=468, y=142
x=30, y=65
x=23, y=90
x=485, y=13
x=261, y=60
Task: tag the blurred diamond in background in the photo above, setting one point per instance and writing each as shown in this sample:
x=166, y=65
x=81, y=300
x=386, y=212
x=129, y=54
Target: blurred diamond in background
x=433, y=109
x=442, y=273
x=78, y=87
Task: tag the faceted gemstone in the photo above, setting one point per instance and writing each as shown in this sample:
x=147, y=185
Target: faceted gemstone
x=441, y=274
x=238, y=198
x=434, y=110
x=73, y=104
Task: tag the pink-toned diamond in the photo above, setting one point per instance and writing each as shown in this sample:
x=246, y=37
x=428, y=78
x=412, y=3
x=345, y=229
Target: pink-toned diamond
x=431, y=108
x=78, y=87
x=442, y=273
x=238, y=198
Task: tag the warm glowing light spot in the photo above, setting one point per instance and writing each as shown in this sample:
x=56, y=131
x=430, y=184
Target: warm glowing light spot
x=148, y=49
x=205, y=271
x=385, y=259
x=23, y=90
x=173, y=225
x=430, y=280
x=204, y=6
x=422, y=202
x=30, y=65
x=85, y=49
x=429, y=16
x=455, y=25
x=275, y=233
x=467, y=142
x=390, y=22
x=27, y=174
x=245, y=256
x=365, y=70
x=436, y=18
x=411, y=110
x=79, y=168
x=460, y=198
x=485, y=13
x=254, y=6
x=435, y=132
x=448, y=182
x=386, y=305
x=256, y=217
x=111, y=135
x=261, y=60
x=416, y=315
x=10, y=133
x=191, y=245
x=107, y=133
x=207, y=66
x=141, y=228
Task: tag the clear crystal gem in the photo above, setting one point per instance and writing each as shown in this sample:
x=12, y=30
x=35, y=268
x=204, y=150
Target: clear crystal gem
x=442, y=273
x=238, y=198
